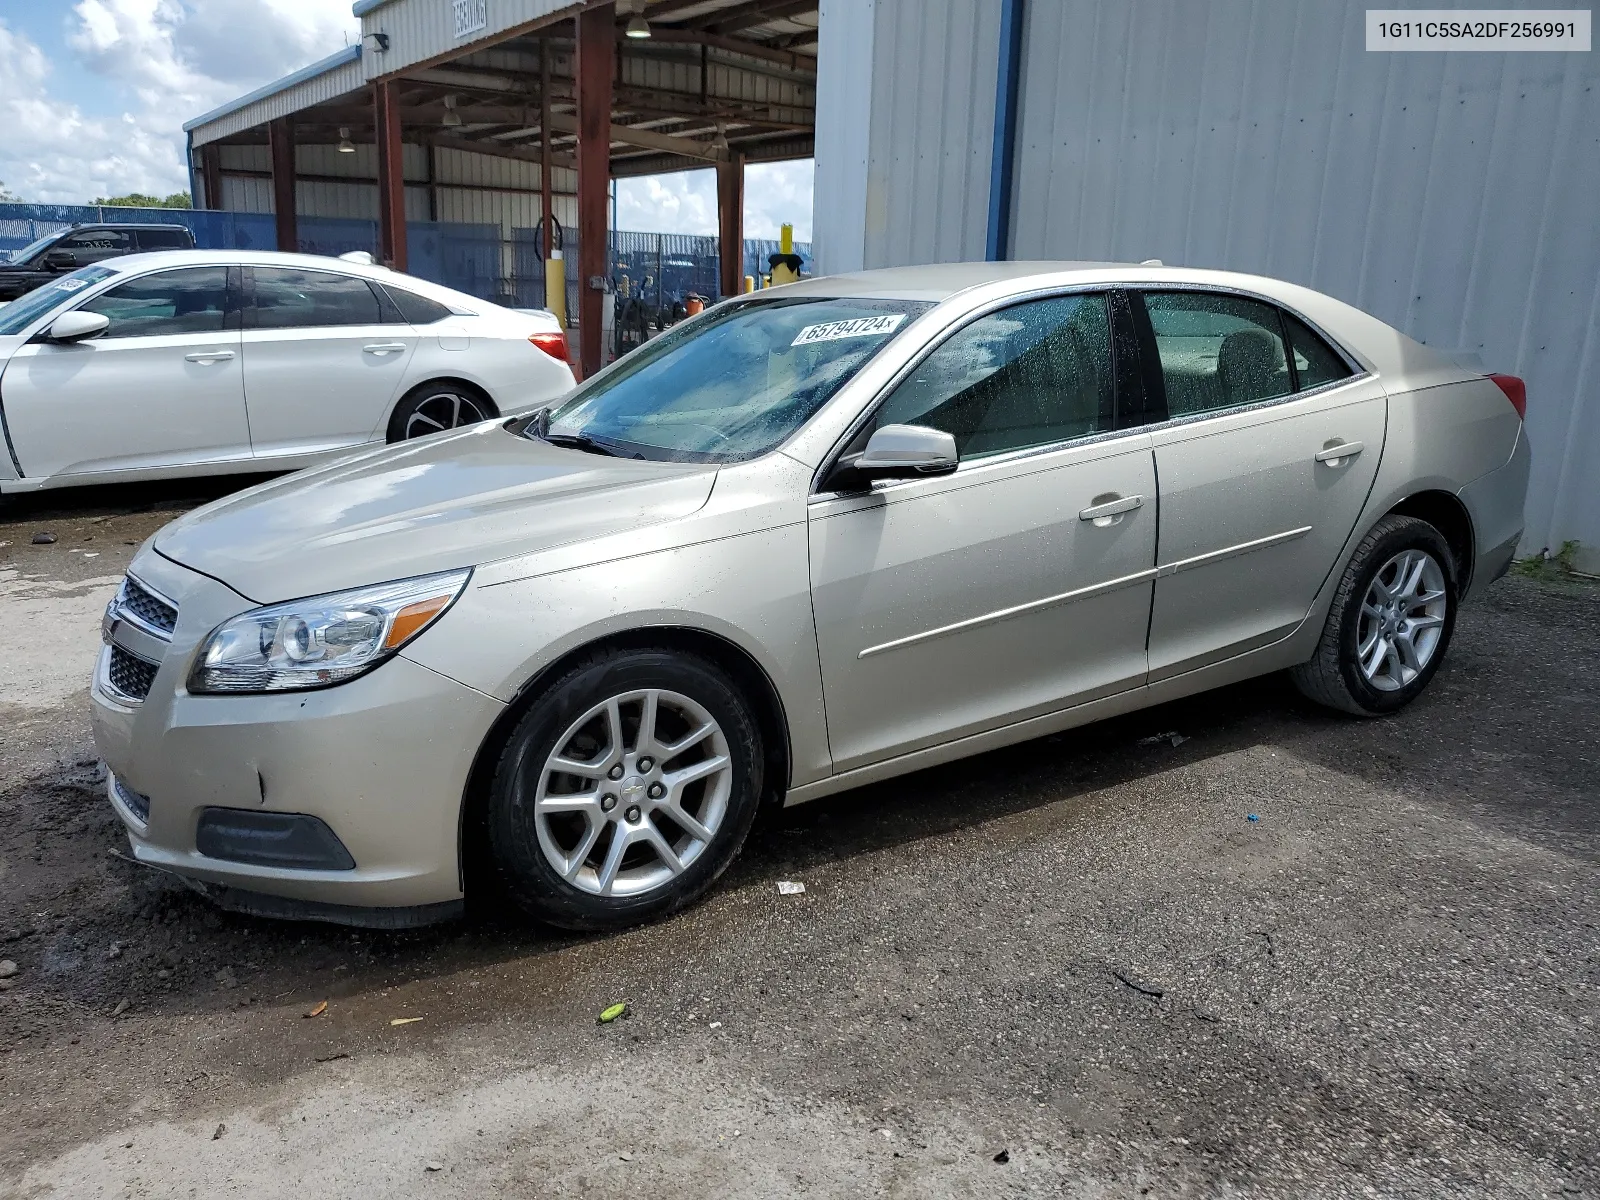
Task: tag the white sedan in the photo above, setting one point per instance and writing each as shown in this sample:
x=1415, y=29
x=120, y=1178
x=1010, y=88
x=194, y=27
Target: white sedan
x=208, y=362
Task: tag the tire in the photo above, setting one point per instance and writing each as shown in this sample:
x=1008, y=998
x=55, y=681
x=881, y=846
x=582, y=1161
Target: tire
x=1420, y=619
x=553, y=834
x=436, y=406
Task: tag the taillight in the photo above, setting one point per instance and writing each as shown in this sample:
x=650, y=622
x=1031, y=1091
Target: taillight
x=1516, y=391
x=554, y=344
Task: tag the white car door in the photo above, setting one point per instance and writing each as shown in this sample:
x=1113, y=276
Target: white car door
x=321, y=365
x=160, y=388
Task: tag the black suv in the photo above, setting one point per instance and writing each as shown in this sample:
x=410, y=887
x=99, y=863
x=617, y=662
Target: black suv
x=68, y=249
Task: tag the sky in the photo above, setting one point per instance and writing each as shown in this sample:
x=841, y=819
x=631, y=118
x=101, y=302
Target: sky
x=94, y=94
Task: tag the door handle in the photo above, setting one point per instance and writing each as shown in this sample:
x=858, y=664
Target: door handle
x=384, y=348
x=1108, y=512
x=1336, y=454
x=208, y=356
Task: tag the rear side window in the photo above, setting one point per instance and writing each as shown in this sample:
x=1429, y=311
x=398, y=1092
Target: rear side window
x=187, y=300
x=92, y=245
x=1217, y=351
x=1315, y=362
x=165, y=239
x=1029, y=375
x=418, y=310
x=293, y=299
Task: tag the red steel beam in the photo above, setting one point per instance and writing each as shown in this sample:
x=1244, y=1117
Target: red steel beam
x=730, y=224
x=280, y=140
x=597, y=42
x=391, y=180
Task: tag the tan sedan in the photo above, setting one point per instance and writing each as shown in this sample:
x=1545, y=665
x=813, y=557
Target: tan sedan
x=813, y=538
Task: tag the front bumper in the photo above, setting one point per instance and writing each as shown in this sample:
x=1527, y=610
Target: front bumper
x=382, y=761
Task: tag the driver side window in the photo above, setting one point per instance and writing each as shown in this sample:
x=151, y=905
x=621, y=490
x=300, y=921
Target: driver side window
x=1029, y=375
x=188, y=300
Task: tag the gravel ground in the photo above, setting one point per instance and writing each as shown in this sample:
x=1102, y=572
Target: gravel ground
x=1076, y=967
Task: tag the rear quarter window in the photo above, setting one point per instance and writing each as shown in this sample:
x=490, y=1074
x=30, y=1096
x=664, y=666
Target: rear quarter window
x=417, y=310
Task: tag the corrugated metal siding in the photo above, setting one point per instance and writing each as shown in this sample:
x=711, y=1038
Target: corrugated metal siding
x=1452, y=195
x=347, y=77
x=933, y=80
x=420, y=30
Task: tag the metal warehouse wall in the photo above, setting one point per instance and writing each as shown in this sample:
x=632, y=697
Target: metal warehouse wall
x=1456, y=196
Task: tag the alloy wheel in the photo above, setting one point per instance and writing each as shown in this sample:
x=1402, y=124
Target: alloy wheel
x=633, y=793
x=441, y=411
x=1402, y=620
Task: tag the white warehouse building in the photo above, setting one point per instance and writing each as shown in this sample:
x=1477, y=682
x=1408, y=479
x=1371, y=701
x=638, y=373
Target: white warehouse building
x=1453, y=195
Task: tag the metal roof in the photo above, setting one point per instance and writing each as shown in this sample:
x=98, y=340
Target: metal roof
x=322, y=66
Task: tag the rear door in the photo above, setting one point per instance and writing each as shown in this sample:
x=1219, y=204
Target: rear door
x=1269, y=450
x=322, y=366
x=162, y=387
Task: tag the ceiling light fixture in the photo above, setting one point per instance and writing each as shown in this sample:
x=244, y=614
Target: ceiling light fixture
x=346, y=146
x=452, y=118
x=637, y=27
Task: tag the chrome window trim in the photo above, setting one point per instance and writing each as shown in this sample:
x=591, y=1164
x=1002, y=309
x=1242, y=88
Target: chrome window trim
x=1256, y=405
x=1052, y=291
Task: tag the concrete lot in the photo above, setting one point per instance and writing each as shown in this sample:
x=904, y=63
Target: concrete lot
x=1075, y=967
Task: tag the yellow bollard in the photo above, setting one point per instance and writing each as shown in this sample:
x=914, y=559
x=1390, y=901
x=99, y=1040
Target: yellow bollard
x=786, y=263
x=749, y=283
x=555, y=286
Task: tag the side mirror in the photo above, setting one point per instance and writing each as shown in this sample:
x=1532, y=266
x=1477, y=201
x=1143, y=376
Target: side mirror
x=76, y=326
x=896, y=452
x=60, y=260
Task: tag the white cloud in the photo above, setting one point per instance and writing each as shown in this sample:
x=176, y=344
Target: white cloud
x=686, y=202
x=167, y=61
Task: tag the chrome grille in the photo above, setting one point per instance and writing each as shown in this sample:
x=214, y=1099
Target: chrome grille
x=130, y=674
x=146, y=606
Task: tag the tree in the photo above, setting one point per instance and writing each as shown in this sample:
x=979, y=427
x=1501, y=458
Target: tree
x=140, y=200
x=6, y=197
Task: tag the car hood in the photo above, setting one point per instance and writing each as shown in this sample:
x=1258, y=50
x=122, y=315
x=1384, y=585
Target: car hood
x=454, y=500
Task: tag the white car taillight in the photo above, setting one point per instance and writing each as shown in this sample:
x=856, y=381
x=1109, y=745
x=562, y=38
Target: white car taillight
x=553, y=343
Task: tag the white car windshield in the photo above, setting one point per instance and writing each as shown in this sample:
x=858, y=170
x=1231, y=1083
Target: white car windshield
x=19, y=314
x=731, y=385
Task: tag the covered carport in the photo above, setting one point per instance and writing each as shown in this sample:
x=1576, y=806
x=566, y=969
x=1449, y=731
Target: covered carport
x=520, y=113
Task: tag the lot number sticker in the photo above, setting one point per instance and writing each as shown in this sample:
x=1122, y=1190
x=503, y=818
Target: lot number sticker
x=833, y=331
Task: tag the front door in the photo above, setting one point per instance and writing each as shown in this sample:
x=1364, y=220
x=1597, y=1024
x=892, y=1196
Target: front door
x=321, y=366
x=1266, y=461
x=162, y=387
x=1019, y=584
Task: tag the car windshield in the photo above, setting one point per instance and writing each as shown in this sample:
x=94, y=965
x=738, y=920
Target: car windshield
x=19, y=314
x=731, y=385
x=32, y=248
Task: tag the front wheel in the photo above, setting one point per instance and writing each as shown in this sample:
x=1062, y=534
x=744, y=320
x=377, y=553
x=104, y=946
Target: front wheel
x=625, y=790
x=1390, y=622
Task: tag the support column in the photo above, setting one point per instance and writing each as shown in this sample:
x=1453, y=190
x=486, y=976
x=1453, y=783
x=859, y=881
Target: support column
x=280, y=140
x=597, y=38
x=730, y=224
x=391, y=180
x=211, y=175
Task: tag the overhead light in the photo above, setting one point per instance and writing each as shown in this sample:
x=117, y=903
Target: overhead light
x=376, y=42
x=451, y=117
x=637, y=26
x=720, y=142
x=346, y=146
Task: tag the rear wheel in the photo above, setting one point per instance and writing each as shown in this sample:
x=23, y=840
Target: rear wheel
x=1390, y=622
x=625, y=790
x=438, y=406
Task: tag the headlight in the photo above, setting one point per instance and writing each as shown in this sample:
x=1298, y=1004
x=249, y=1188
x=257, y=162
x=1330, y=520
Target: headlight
x=321, y=640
